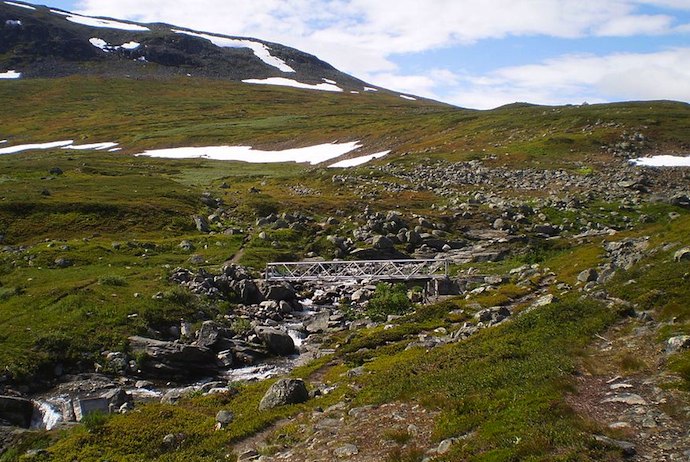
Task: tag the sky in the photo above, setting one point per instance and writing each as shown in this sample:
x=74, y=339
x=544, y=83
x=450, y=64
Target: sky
x=471, y=53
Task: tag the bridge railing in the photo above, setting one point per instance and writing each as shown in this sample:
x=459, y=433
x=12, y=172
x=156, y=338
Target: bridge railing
x=329, y=271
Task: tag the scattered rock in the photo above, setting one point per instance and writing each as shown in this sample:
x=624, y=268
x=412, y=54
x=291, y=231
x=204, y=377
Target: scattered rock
x=347, y=450
x=678, y=343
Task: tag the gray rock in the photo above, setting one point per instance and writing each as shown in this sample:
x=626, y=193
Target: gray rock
x=382, y=243
x=16, y=411
x=678, y=343
x=159, y=358
x=280, y=292
x=201, y=224
x=277, y=342
x=682, y=255
x=284, y=392
x=224, y=418
x=631, y=399
x=588, y=275
x=626, y=447
x=347, y=450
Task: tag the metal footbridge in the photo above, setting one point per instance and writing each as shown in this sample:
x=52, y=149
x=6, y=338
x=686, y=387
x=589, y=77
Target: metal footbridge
x=373, y=270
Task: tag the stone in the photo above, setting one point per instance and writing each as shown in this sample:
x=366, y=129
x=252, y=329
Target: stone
x=277, y=342
x=347, y=450
x=224, y=418
x=626, y=447
x=631, y=399
x=85, y=406
x=201, y=224
x=280, y=292
x=678, y=343
x=682, y=255
x=212, y=335
x=62, y=263
x=445, y=445
x=159, y=358
x=284, y=392
x=16, y=411
x=588, y=275
x=382, y=243
x=187, y=246
x=57, y=171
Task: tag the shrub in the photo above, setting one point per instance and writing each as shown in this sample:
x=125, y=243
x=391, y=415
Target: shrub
x=388, y=299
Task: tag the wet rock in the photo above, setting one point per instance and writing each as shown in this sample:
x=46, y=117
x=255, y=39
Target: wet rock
x=277, y=342
x=16, y=411
x=159, y=358
x=284, y=392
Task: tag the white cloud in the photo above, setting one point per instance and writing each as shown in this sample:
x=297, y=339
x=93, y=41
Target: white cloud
x=363, y=37
x=574, y=79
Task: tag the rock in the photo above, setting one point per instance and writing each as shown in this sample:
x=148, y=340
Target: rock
x=187, y=246
x=445, y=445
x=631, y=399
x=16, y=411
x=250, y=454
x=682, y=255
x=382, y=243
x=280, y=292
x=678, y=343
x=213, y=336
x=248, y=292
x=57, y=171
x=494, y=314
x=224, y=418
x=284, y=392
x=201, y=224
x=159, y=358
x=277, y=342
x=588, y=275
x=627, y=448
x=62, y=263
x=347, y=450
x=544, y=300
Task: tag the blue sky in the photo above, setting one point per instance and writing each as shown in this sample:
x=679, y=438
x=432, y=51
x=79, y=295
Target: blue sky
x=473, y=53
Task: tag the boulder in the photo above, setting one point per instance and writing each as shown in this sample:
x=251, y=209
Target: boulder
x=16, y=411
x=201, y=224
x=678, y=343
x=172, y=359
x=280, y=292
x=682, y=255
x=588, y=275
x=213, y=336
x=284, y=392
x=277, y=341
x=382, y=243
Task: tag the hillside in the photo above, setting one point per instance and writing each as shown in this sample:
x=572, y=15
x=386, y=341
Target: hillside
x=133, y=283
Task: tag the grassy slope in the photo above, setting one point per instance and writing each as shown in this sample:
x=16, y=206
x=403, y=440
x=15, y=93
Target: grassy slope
x=49, y=314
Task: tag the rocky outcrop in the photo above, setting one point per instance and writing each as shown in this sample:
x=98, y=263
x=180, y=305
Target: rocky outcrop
x=172, y=359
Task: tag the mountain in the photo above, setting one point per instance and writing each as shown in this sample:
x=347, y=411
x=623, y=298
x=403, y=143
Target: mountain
x=40, y=42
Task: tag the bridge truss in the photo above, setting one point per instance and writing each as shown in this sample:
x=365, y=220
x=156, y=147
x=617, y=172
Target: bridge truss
x=373, y=270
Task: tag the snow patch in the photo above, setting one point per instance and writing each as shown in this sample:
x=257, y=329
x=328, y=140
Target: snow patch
x=283, y=82
x=312, y=154
x=3, y=141
x=10, y=75
x=29, y=147
x=408, y=98
x=662, y=161
x=63, y=13
x=260, y=50
x=103, y=23
x=20, y=5
x=67, y=144
x=108, y=48
x=358, y=160
x=332, y=82
x=354, y=92
x=370, y=89
x=13, y=23
x=91, y=147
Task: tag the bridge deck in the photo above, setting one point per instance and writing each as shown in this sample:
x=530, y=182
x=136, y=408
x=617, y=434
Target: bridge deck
x=375, y=270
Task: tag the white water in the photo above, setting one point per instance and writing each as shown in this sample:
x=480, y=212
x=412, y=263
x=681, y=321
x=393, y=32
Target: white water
x=46, y=415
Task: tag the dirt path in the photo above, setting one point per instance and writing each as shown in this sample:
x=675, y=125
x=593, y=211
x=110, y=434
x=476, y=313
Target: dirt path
x=624, y=388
